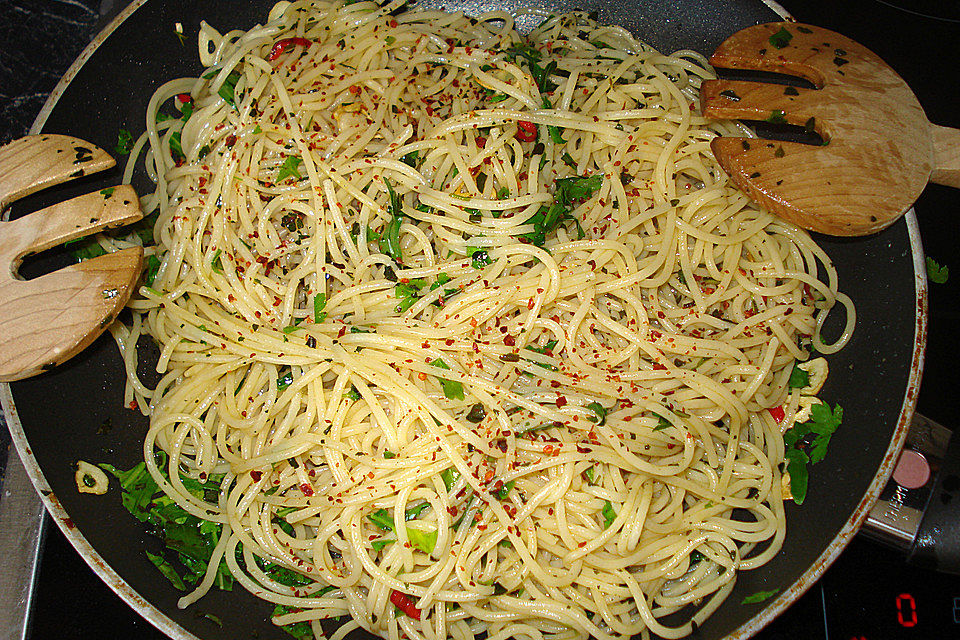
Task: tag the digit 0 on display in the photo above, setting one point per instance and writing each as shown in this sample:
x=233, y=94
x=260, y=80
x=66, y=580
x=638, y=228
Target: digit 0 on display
x=906, y=610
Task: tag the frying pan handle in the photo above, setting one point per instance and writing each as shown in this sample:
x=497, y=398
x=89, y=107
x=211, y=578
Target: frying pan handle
x=946, y=156
x=919, y=510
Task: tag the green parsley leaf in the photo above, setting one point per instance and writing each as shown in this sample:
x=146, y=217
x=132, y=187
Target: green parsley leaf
x=504, y=491
x=601, y=417
x=777, y=117
x=781, y=38
x=413, y=512
x=176, y=149
x=480, y=258
x=568, y=160
x=290, y=169
x=570, y=190
x=124, y=142
x=662, y=424
x=390, y=238
x=150, y=273
x=299, y=630
x=410, y=159
x=167, y=570
x=798, y=377
x=824, y=423
x=87, y=248
x=382, y=519
x=451, y=388
x=590, y=474
x=319, y=302
x=380, y=544
x=215, y=263
x=285, y=379
x=609, y=514
x=426, y=541
x=936, y=273
x=106, y=193
x=228, y=89
x=760, y=596
x=450, y=475
x=797, y=468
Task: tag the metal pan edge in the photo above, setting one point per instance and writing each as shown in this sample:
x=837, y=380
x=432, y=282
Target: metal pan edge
x=809, y=577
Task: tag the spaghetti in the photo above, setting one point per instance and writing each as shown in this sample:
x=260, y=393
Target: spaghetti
x=475, y=331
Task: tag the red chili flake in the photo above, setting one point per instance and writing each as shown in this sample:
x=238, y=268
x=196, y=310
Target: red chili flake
x=481, y=142
x=659, y=367
x=777, y=413
x=509, y=341
x=526, y=131
x=561, y=401
x=398, y=599
x=343, y=330
x=231, y=140
x=354, y=89
x=283, y=45
x=256, y=475
x=394, y=23
x=184, y=97
x=133, y=405
x=306, y=489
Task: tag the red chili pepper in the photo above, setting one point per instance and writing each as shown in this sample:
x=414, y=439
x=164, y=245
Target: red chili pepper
x=184, y=97
x=405, y=604
x=283, y=45
x=526, y=131
x=777, y=413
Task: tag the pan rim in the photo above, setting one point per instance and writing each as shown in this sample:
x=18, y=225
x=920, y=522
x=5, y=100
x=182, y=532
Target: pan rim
x=748, y=629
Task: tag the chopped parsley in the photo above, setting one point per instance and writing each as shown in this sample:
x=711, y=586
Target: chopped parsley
x=319, y=302
x=124, y=142
x=798, y=377
x=760, y=596
x=228, y=89
x=781, y=38
x=609, y=514
x=807, y=443
x=290, y=169
x=451, y=388
x=936, y=273
x=601, y=413
x=390, y=237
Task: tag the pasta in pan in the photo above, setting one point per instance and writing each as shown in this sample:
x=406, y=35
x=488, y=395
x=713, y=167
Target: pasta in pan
x=470, y=328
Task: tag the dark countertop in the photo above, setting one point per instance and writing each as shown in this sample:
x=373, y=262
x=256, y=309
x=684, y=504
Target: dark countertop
x=42, y=37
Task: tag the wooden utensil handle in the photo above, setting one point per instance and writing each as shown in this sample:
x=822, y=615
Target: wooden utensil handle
x=946, y=156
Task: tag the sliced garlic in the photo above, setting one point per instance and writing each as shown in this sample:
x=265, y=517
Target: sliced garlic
x=785, y=486
x=818, y=370
x=804, y=406
x=91, y=479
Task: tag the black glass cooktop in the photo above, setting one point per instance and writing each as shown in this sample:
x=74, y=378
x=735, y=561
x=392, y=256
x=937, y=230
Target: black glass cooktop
x=869, y=593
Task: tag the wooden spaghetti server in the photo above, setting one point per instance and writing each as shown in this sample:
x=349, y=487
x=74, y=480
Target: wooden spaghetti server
x=878, y=152
x=46, y=320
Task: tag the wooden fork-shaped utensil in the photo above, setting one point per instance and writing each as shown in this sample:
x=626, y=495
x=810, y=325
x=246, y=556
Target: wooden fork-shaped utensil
x=879, y=148
x=49, y=319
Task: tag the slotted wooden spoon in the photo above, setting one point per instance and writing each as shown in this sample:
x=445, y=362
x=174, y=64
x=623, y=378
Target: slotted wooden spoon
x=47, y=320
x=880, y=150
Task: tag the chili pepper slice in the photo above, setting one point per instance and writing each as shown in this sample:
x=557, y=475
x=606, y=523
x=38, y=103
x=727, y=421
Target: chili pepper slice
x=526, y=131
x=777, y=413
x=405, y=604
x=283, y=45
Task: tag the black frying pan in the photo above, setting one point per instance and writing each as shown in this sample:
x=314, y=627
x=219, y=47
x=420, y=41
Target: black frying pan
x=75, y=413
